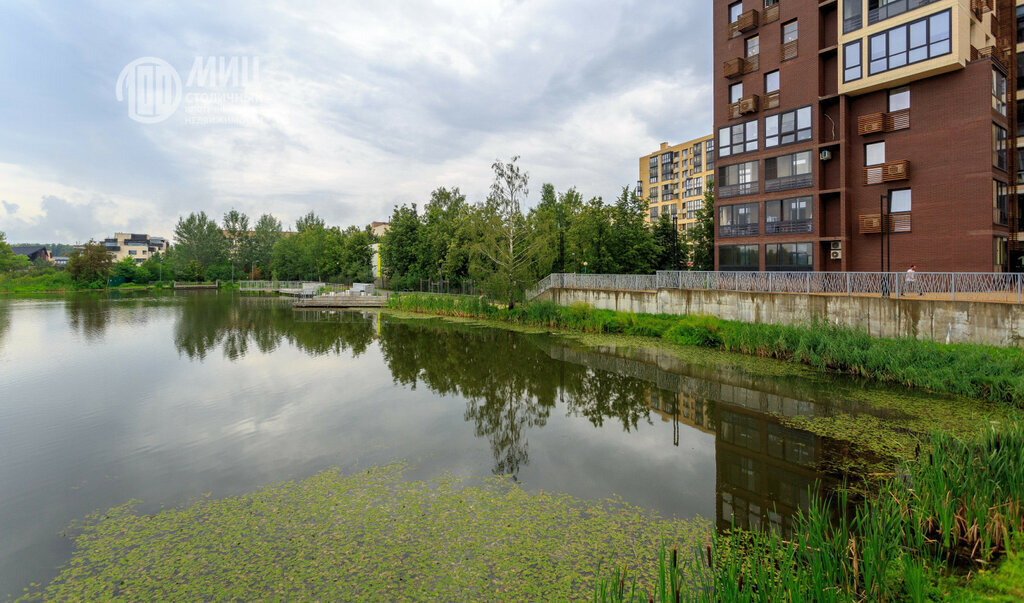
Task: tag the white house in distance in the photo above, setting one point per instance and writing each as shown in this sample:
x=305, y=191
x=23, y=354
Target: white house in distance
x=139, y=247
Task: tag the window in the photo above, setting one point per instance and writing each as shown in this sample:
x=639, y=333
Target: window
x=874, y=153
x=999, y=91
x=1020, y=24
x=738, y=257
x=788, y=172
x=133, y=252
x=1000, y=205
x=654, y=213
x=771, y=82
x=852, y=61
x=909, y=43
x=738, y=179
x=789, y=256
x=999, y=254
x=999, y=146
x=788, y=127
x=789, y=32
x=738, y=220
x=735, y=92
x=735, y=10
x=753, y=46
x=899, y=99
x=852, y=20
x=740, y=138
x=899, y=201
x=783, y=216
x=879, y=10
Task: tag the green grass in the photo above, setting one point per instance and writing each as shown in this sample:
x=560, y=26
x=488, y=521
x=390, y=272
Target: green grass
x=975, y=371
x=34, y=283
x=366, y=536
x=959, y=506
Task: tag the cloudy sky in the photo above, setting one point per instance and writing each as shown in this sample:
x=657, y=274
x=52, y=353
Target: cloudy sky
x=341, y=107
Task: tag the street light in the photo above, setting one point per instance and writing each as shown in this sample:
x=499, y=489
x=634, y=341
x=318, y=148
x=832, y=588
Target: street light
x=584, y=267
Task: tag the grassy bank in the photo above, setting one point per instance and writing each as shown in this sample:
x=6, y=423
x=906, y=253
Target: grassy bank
x=975, y=371
x=959, y=507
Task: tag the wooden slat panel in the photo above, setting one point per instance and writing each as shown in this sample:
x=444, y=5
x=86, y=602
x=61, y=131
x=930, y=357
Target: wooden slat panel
x=771, y=14
x=897, y=120
x=733, y=67
x=871, y=123
x=890, y=171
x=772, y=100
x=746, y=22
x=788, y=51
x=898, y=222
x=870, y=223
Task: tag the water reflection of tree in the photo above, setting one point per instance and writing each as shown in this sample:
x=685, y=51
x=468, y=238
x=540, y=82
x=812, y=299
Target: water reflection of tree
x=88, y=313
x=237, y=325
x=510, y=381
x=5, y=319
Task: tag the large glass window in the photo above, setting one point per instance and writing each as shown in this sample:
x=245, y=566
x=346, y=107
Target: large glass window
x=999, y=146
x=852, y=20
x=788, y=172
x=738, y=220
x=783, y=216
x=738, y=257
x=874, y=153
x=899, y=201
x=740, y=138
x=879, y=10
x=738, y=179
x=852, y=61
x=735, y=10
x=999, y=91
x=910, y=43
x=789, y=256
x=1000, y=202
x=788, y=127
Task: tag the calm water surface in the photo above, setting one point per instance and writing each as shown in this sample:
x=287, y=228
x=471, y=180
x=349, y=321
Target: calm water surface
x=168, y=398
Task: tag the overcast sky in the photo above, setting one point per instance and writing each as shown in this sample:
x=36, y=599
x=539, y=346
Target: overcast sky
x=348, y=108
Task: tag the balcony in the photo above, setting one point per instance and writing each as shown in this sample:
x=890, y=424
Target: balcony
x=872, y=223
x=739, y=66
x=999, y=55
x=788, y=51
x=747, y=104
x=980, y=7
x=875, y=123
x=890, y=171
x=746, y=22
x=772, y=100
x=736, y=190
x=786, y=183
x=894, y=8
x=789, y=227
x=771, y=14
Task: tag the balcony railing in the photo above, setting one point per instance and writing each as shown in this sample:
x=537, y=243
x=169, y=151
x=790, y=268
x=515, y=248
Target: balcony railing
x=890, y=171
x=771, y=14
x=746, y=22
x=874, y=123
x=788, y=51
x=747, y=104
x=980, y=7
x=788, y=182
x=789, y=227
x=894, y=8
x=740, y=65
x=736, y=190
x=999, y=55
x=772, y=100
x=738, y=230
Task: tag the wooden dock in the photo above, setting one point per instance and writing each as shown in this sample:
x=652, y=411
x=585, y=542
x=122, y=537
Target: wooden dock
x=320, y=302
x=178, y=286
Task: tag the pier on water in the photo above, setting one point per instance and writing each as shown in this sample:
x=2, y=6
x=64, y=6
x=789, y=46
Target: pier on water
x=317, y=295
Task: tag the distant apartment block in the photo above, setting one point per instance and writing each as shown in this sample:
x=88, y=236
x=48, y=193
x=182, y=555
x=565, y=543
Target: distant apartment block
x=673, y=180
x=866, y=135
x=139, y=247
x=379, y=229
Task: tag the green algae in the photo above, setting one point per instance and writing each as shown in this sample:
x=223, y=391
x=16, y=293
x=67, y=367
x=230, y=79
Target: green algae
x=371, y=535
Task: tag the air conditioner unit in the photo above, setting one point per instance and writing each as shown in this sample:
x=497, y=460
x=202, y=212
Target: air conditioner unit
x=835, y=254
x=836, y=245
x=825, y=155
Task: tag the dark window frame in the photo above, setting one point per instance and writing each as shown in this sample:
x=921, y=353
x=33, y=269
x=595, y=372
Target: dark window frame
x=882, y=40
x=733, y=227
x=859, y=66
x=795, y=133
x=746, y=250
x=786, y=223
x=801, y=250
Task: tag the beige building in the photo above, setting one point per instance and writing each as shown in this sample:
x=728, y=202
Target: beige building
x=379, y=228
x=673, y=180
x=139, y=247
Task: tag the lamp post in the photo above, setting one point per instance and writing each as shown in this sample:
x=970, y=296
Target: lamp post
x=675, y=242
x=584, y=267
x=882, y=247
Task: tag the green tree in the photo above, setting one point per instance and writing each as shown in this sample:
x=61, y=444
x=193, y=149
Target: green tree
x=265, y=236
x=507, y=238
x=555, y=215
x=701, y=237
x=632, y=245
x=199, y=239
x=400, y=248
x=589, y=237
x=8, y=260
x=239, y=240
x=442, y=237
x=91, y=264
x=355, y=255
x=309, y=221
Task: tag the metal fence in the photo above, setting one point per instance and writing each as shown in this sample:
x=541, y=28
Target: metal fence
x=954, y=286
x=268, y=285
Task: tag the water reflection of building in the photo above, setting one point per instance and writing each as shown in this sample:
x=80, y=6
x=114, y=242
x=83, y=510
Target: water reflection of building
x=764, y=469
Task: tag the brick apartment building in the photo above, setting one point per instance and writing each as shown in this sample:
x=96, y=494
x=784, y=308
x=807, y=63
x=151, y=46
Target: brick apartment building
x=673, y=180
x=866, y=135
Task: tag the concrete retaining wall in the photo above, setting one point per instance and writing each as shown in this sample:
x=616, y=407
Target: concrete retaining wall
x=944, y=321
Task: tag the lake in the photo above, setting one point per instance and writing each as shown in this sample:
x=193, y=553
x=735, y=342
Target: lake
x=167, y=398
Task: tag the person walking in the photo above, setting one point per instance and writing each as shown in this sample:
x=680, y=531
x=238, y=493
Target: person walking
x=912, y=280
